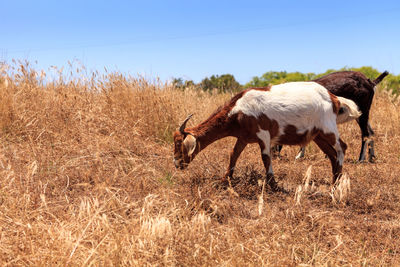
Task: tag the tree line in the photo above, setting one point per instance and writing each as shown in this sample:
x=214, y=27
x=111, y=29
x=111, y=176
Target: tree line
x=228, y=83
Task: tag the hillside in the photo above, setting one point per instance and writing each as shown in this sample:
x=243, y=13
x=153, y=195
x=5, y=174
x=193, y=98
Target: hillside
x=87, y=178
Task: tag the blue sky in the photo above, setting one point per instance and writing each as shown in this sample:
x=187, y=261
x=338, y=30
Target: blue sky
x=195, y=39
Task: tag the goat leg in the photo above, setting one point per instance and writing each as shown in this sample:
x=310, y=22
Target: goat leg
x=236, y=151
x=300, y=155
x=371, y=151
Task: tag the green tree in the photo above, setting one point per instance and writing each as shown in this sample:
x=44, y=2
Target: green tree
x=223, y=83
x=368, y=71
x=180, y=83
x=276, y=77
x=177, y=82
x=391, y=83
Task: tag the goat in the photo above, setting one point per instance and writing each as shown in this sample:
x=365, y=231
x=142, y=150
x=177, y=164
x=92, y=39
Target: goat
x=287, y=114
x=355, y=86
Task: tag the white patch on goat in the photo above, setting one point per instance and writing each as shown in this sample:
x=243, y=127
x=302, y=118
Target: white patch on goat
x=304, y=105
x=265, y=137
x=339, y=152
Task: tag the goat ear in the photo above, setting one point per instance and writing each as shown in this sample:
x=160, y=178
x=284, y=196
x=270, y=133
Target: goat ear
x=190, y=144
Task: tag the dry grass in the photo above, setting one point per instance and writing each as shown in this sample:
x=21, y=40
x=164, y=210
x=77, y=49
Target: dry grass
x=86, y=178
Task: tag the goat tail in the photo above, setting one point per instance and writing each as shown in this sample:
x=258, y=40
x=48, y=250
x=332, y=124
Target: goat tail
x=348, y=110
x=380, y=77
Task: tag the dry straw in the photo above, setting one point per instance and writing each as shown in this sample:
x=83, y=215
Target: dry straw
x=340, y=191
x=305, y=188
x=87, y=179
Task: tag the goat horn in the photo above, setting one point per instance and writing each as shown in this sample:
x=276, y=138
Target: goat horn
x=183, y=125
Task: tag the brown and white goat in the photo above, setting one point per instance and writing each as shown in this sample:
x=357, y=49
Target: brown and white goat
x=355, y=86
x=287, y=114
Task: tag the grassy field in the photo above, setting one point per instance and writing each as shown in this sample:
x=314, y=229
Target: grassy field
x=87, y=179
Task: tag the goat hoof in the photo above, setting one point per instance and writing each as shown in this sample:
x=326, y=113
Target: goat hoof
x=279, y=189
x=372, y=159
x=274, y=187
x=224, y=183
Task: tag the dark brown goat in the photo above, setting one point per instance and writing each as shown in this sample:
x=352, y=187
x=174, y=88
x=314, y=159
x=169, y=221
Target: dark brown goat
x=355, y=86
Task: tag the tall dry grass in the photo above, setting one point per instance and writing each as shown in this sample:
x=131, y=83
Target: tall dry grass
x=86, y=178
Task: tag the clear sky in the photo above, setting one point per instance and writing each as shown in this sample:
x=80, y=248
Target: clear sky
x=195, y=39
